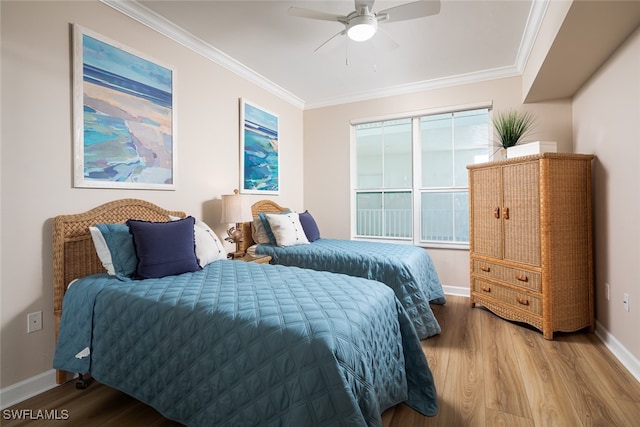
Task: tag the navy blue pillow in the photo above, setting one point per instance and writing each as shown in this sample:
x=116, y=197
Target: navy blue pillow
x=164, y=248
x=309, y=226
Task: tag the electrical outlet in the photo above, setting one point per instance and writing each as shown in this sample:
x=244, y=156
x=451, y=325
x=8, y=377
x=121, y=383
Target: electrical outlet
x=607, y=291
x=34, y=321
x=625, y=301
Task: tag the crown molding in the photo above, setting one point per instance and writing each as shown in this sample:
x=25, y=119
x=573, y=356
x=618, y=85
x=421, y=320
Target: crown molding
x=144, y=15
x=534, y=22
x=461, y=79
x=147, y=17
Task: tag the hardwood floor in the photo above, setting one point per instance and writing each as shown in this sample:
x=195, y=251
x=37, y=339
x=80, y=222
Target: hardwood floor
x=96, y=406
x=488, y=372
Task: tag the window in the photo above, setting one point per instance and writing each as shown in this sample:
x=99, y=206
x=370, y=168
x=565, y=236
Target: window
x=384, y=164
x=411, y=177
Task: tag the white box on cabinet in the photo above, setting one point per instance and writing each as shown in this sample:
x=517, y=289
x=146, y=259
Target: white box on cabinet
x=532, y=148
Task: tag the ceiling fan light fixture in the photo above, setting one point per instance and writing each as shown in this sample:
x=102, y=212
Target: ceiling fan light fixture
x=362, y=28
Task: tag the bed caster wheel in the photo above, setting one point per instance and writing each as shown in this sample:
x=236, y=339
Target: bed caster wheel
x=82, y=383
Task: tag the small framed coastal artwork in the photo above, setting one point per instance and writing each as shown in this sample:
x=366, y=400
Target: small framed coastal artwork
x=259, y=154
x=124, y=116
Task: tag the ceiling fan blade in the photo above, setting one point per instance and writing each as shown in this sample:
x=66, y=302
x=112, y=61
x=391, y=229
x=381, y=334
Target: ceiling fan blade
x=384, y=40
x=341, y=33
x=314, y=14
x=416, y=9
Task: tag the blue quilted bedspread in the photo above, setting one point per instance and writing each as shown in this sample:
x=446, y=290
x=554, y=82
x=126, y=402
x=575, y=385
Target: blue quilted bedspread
x=407, y=269
x=245, y=344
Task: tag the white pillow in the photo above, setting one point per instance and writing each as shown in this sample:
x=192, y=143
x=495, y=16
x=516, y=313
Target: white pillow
x=287, y=229
x=258, y=232
x=102, y=250
x=208, y=245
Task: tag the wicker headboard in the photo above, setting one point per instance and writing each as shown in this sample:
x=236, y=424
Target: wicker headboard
x=74, y=255
x=266, y=206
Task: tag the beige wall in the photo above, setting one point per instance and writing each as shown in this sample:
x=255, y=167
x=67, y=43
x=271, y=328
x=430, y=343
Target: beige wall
x=606, y=122
x=327, y=145
x=36, y=169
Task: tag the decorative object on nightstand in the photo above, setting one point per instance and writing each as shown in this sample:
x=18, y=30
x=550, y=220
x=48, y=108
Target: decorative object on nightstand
x=531, y=241
x=234, y=211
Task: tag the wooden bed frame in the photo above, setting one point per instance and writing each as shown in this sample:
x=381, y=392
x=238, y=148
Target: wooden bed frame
x=266, y=206
x=74, y=255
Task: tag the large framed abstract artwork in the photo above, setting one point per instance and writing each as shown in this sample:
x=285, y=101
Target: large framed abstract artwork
x=259, y=156
x=124, y=116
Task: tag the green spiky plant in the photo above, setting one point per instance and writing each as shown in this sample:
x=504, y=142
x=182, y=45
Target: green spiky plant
x=512, y=126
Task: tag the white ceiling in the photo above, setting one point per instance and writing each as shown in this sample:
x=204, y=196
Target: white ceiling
x=468, y=40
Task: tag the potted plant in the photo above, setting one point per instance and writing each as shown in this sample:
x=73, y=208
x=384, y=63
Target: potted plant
x=511, y=127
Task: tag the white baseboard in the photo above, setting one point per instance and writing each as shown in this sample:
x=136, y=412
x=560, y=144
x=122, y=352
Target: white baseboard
x=461, y=291
x=30, y=387
x=619, y=351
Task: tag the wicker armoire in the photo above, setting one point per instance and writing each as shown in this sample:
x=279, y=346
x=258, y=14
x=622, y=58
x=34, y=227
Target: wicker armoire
x=530, y=233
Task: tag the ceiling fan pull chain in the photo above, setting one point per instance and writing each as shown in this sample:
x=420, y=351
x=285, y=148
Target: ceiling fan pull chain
x=375, y=60
x=346, y=54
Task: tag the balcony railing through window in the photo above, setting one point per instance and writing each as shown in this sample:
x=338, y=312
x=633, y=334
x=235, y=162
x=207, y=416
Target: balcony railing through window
x=436, y=224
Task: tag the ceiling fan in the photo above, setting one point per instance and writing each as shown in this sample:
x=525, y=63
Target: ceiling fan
x=362, y=23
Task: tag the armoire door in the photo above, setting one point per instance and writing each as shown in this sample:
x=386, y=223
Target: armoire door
x=521, y=212
x=486, y=212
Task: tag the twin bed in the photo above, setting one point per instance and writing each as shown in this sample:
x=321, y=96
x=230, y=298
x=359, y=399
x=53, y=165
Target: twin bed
x=234, y=343
x=406, y=269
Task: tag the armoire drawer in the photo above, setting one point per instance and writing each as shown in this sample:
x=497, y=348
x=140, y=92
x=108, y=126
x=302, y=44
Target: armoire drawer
x=513, y=276
x=509, y=296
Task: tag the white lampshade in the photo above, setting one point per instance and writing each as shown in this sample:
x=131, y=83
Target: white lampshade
x=362, y=28
x=234, y=209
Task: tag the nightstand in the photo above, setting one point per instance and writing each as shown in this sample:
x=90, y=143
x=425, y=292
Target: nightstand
x=258, y=259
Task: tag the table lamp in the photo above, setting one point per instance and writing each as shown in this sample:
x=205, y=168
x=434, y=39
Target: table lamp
x=235, y=210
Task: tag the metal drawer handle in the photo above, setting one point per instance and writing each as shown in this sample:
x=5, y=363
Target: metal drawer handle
x=522, y=301
x=522, y=277
x=485, y=288
x=505, y=214
x=496, y=213
x=485, y=269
